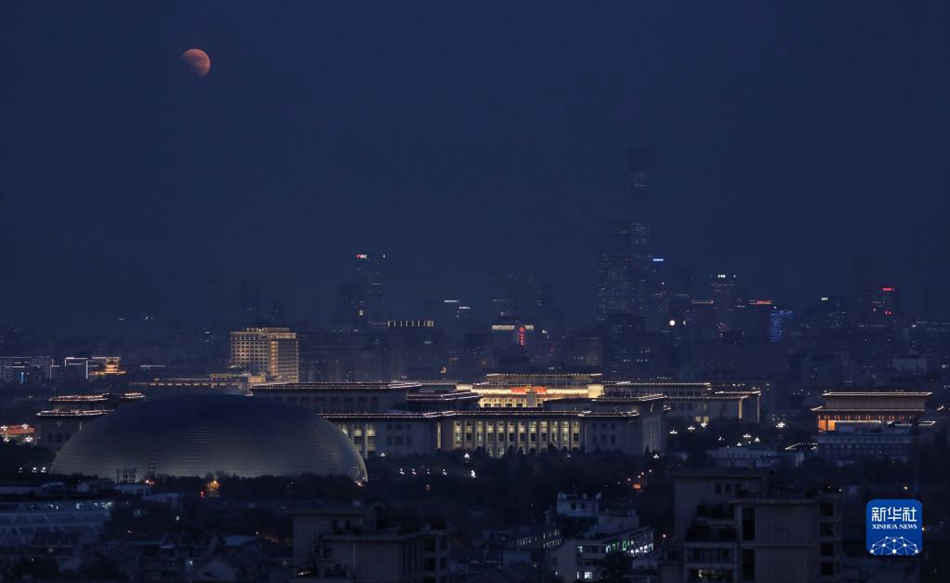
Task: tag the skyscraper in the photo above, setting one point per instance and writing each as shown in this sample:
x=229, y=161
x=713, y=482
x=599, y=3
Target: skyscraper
x=657, y=307
x=723, y=288
x=361, y=305
x=862, y=288
x=615, y=288
x=779, y=320
x=371, y=277
x=640, y=174
x=630, y=280
x=518, y=296
x=884, y=306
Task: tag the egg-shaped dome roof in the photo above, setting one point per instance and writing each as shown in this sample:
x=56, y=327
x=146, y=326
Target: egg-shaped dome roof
x=194, y=435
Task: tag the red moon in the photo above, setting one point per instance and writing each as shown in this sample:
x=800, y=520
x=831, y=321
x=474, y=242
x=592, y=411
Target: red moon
x=198, y=61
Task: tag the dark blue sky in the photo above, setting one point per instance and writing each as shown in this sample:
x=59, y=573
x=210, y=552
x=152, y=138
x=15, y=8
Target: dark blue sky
x=457, y=137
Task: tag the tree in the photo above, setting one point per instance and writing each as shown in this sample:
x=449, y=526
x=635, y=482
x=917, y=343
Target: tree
x=616, y=566
x=34, y=568
x=100, y=567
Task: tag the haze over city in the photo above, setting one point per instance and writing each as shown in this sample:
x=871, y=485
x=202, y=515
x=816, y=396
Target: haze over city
x=460, y=140
x=495, y=292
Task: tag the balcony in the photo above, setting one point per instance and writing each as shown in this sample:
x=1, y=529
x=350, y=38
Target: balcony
x=706, y=534
x=715, y=511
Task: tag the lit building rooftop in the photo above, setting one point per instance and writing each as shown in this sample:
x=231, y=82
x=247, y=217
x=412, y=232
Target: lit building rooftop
x=335, y=386
x=482, y=413
x=72, y=413
x=99, y=398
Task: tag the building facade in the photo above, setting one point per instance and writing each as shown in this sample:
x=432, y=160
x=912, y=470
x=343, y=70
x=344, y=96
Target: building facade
x=730, y=526
x=349, y=544
x=269, y=351
x=870, y=407
x=322, y=398
x=855, y=441
x=412, y=418
x=499, y=432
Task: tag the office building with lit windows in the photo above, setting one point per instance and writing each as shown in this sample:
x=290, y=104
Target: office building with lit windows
x=272, y=352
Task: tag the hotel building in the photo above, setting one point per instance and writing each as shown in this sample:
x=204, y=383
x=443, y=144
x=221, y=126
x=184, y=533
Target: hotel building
x=268, y=351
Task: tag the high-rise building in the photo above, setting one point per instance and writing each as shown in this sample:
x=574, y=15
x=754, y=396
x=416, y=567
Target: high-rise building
x=779, y=320
x=641, y=164
x=884, y=305
x=754, y=319
x=272, y=352
x=659, y=299
x=629, y=282
x=519, y=296
x=454, y=317
x=723, y=287
x=829, y=313
x=20, y=370
x=362, y=302
x=371, y=276
x=640, y=175
x=629, y=351
x=862, y=287
x=615, y=285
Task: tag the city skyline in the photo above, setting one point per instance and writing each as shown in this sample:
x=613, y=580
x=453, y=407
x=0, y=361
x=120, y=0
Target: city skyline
x=454, y=165
x=447, y=292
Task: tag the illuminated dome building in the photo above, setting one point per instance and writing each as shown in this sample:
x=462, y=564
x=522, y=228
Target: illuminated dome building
x=194, y=435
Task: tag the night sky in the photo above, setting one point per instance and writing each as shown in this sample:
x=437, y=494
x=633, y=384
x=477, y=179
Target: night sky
x=458, y=137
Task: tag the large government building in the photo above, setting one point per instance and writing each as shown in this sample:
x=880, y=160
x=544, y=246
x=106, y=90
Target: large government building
x=411, y=418
x=508, y=413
